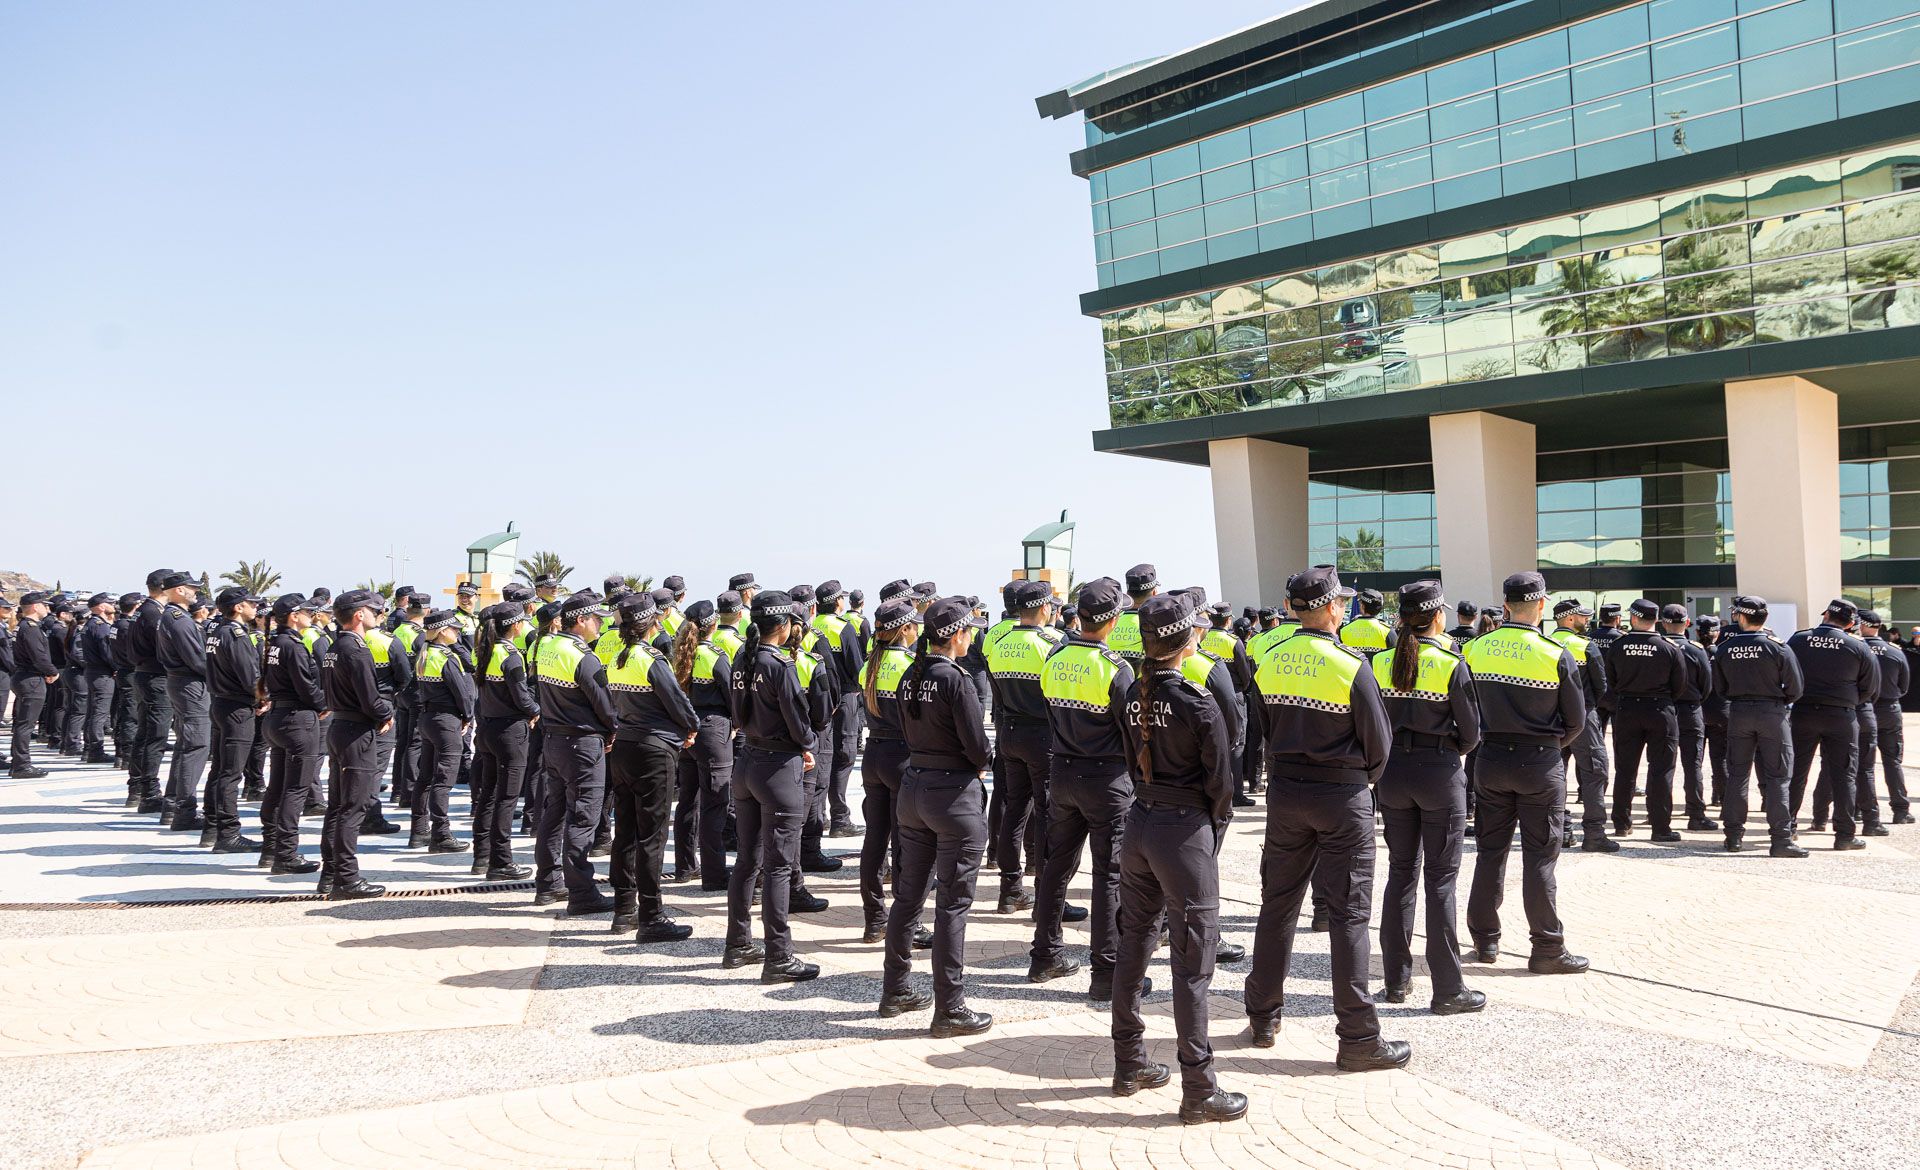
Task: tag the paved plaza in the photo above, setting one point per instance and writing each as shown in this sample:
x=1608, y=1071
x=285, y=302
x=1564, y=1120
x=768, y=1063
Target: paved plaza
x=1740, y=1012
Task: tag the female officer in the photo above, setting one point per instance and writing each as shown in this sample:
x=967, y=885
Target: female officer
x=546, y=624
x=895, y=626
x=656, y=723
x=942, y=813
x=446, y=711
x=507, y=710
x=1180, y=753
x=770, y=709
x=705, y=673
x=1423, y=795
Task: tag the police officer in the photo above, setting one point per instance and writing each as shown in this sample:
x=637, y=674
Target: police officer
x=856, y=616
x=1646, y=673
x=770, y=710
x=1327, y=742
x=577, y=722
x=126, y=707
x=393, y=675
x=444, y=710
x=505, y=706
x=1089, y=789
x=1605, y=629
x=1889, y=736
x=182, y=647
x=1016, y=651
x=1218, y=640
x=6, y=649
x=1866, y=800
x=1532, y=708
x=359, y=713
x=705, y=674
x=1713, y=709
x=33, y=672
x=96, y=638
x=466, y=595
x=233, y=680
x=68, y=720
x=942, y=814
x=1462, y=631
x=1589, y=752
x=295, y=703
x=843, y=647
x=895, y=631
x=1366, y=632
x=748, y=589
x=409, y=611
x=1180, y=756
x=1760, y=679
x=1690, y=715
x=1435, y=716
x=1840, y=673
x=656, y=722
x=1143, y=581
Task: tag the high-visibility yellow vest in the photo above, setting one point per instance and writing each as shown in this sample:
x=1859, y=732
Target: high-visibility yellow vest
x=1080, y=676
x=1367, y=633
x=433, y=663
x=704, y=658
x=560, y=656
x=1124, y=638
x=1219, y=643
x=632, y=676
x=1434, y=682
x=1198, y=666
x=1516, y=656
x=1309, y=672
x=380, y=645
x=832, y=625
x=1020, y=651
x=1576, y=644
x=728, y=640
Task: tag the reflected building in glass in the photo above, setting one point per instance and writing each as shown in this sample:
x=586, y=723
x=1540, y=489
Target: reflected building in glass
x=1465, y=286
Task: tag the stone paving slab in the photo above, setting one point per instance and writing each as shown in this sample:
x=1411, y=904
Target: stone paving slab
x=112, y=992
x=1030, y=1094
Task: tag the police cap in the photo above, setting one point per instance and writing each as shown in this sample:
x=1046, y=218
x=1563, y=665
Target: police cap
x=345, y=605
x=316, y=604
x=893, y=589
x=613, y=581
x=615, y=596
x=1010, y=594
x=800, y=595
x=34, y=598
x=548, y=611
x=321, y=594
x=585, y=603
x=1570, y=605
x=467, y=589
x=728, y=602
x=828, y=592
x=1099, y=601
x=1421, y=597
x=155, y=578
x=638, y=607
x=1869, y=617
x=894, y=614
x=740, y=581
x=662, y=597
x=1169, y=614
x=1673, y=613
x=1706, y=621
x=402, y=593
x=925, y=590
x=1220, y=609
x=440, y=619
x=1369, y=599
x=416, y=601
x=1842, y=611
x=108, y=599
x=174, y=579
x=1197, y=594
x=1315, y=587
x=517, y=593
x=1610, y=610
x=287, y=603
x=855, y=597
x=229, y=597
x=1141, y=578
x=1524, y=586
x=1070, y=612
x=702, y=613
x=1268, y=615
x=949, y=615
x=1028, y=595
x=676, y=582
x=1467, y=610
x=1643, y=609
x=201, y=601
x=546, y=581
x=772, y=603
x=131, y=601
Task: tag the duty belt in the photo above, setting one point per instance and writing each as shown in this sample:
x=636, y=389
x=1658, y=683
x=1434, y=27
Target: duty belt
x=1171, y=794
x=1416, y=740
x=1324, y=773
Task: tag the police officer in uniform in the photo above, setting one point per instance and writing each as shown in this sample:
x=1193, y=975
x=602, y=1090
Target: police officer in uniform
x=1016, y=652
x=656, y=723
x=942, y=814
x=126, y=705
x=33, y=673
x=1219, y=641
x=465, y=596
x=1462, y=631
x=444, y=708
x=1143, y=581
x=1180, y=755
x=506, y=707
x=1840, y=673
x=295, y=702
x=1532, y=708
x=1605, y=629
x=1689, y=713
x=1866, y=800
x=1589, y=752
x=1713, y=709
x=1889, y=736
x=6, y=652
x=1760, y=679
x=359, y=713
x=410, y=609
x=842, y=645
x=182, y=647
x=393, y=675
x=770, y=710
x=577, y=722
x=233, y=678
x=1435, y=716
x=747, y=588
x=96, y=638
x=895, y=631
x=1646, y=673
x=705, y=672
x=1327, y=743
x=1089, y=789
x=1366, y=632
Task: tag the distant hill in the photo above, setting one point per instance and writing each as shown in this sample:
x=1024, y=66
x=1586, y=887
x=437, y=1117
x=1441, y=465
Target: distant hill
x=14, y=584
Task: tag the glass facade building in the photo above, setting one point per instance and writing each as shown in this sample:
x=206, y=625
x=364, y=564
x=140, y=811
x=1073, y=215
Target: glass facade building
x=1601, y=222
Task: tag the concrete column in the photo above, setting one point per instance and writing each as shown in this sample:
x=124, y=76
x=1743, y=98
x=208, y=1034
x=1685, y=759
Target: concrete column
x=1259, y=517
x=1486, y=500
x=1783, y=439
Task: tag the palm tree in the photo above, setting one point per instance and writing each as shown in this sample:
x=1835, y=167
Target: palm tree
x=257, y=577
x=543, y=564
x=383, y=588
x=639, y=584
x=1363, y=552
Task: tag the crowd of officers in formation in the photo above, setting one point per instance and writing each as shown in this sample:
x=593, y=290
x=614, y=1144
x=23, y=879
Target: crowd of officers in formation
x=1133, y=722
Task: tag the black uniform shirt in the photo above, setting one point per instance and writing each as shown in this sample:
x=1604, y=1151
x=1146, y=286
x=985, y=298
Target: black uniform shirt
x=146, y=637
x=883, y=718
x=182, y=644
x=233, y=663
x=769, y=705
x=940, y=717
x=1456, y=721
x=31, y=657
x=1698, y=675
x=1188, y=743
x=509, y=696
x=585, y=707
x=1642, y=664
x=6, y=649
x=352, y=693
x=453, y=693
x=1894, y=676
x=713, y=696
x=122, y=644
x=1749, y=666
x=293, y=675
x=1355, y=739
x=1838, y=667
x=658, y=708
x=57, y=633
x=1088, y=734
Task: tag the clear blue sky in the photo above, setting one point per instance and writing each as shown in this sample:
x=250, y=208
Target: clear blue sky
x=693, y=289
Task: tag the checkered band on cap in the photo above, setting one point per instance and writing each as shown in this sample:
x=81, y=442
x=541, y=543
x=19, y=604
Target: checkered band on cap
x=905, y=619
x=772, y=610
x=1435, y=603
x=1174, y=627
x=1096, y=616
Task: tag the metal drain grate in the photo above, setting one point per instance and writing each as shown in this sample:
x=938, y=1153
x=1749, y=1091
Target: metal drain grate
x=260, y=899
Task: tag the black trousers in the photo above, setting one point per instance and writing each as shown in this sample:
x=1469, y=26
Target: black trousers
x=126, y=715
x=1758, y=740
x=1423, y=800
x=232, y=744
x=1716, y=755
x=499, y=773
x=1692, y=722
x=256, y=770
x=192, y=737
x=1866, y=800
x=1169, y=862
x=1520, y=784
x=1649, y=726
x=29, y=696
x=700, y=829
x=1833, y=733
x=1025, y=750
x=1088, y=803
x=943, y=833
x=846, y=744
x=53, y=713
x=880, y=776
x=1891, y=739
x=769, y=804
x=156, y=717
x=72, y=724
x=100, y=696
x=352, y=783
x=641, y=776
x=1590, y=768
x=441, y=742
x=570, y=814
x=1322, y=834
x=813, y=785
x=406, y=756
x=294, y=737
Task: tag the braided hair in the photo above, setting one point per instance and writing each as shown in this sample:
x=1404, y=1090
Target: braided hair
x=1161, y=653
x=883, y=640
x=633, y=632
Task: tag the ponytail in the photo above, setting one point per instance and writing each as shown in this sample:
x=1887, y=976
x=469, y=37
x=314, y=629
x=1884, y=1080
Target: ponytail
x=633, y=633
x=1143, y=721
x=483, y=652
x=686, y=644
x=1406, y=652
x=870, y=688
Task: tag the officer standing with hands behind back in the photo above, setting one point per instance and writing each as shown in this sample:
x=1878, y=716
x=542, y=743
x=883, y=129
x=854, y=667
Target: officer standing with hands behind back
x=1839, y=671
x=1759, y=678
x=1890, y=737
x=1646, y=673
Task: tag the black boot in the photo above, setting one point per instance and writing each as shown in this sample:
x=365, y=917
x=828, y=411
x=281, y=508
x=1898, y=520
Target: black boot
x=1222, y=1106
x=962, y=1021
x=791, y=971
x=660, y=928
x=1128, y=1081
